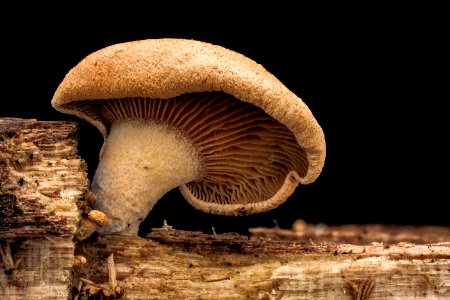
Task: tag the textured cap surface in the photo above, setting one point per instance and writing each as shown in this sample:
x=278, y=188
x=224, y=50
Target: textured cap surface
x=166, y=68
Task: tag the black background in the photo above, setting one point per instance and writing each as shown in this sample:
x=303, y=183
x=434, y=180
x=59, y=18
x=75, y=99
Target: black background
x=372, y=79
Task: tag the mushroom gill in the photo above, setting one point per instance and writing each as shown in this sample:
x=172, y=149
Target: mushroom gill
x=241, y=155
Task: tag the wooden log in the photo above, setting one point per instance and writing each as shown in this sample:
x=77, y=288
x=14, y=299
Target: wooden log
x=44, y=192
x=176, y=264
x=42, y=183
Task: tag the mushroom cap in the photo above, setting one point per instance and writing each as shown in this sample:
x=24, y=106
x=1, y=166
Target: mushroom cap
x=167, y=68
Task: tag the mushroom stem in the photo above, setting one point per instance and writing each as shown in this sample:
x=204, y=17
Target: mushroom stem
x=141, y=161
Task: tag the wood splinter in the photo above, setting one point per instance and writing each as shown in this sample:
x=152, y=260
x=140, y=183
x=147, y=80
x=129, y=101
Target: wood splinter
x=112, y=273
x=11, y=268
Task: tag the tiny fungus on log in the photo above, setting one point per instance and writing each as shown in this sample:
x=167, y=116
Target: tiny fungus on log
x=189, y=114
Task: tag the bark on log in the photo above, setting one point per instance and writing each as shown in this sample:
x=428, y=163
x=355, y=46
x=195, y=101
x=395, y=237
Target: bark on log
x=43, y=181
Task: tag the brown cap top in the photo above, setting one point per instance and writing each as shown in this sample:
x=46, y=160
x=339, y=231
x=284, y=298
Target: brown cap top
x=168, y=68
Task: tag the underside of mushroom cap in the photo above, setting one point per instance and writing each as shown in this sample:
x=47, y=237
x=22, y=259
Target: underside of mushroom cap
x=248, y=161
x=167, y=68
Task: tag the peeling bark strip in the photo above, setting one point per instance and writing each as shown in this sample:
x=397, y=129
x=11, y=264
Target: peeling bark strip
x=177, y=264
x=358, y=234
x=41, y=181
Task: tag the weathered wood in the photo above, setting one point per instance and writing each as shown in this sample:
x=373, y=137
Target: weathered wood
x=176, y=264
x=44, y=192
x=41, y=181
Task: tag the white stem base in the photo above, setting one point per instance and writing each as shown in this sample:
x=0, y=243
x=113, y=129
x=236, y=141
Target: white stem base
x=141, y=161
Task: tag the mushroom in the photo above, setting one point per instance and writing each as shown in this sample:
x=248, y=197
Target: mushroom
x=189, y=114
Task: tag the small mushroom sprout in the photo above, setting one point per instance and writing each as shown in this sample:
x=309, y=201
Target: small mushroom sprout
x=189, y=114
